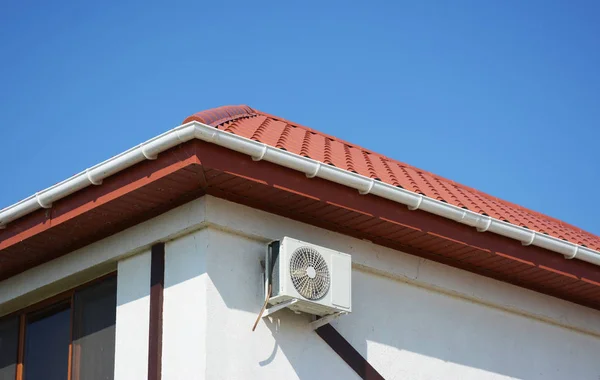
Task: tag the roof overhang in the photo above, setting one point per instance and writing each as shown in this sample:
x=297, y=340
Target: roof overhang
x=209, y=162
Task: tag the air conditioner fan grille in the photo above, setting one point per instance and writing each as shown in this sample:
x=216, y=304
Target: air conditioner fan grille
x=309, y=273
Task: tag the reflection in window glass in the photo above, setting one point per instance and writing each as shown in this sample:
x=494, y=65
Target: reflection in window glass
x=47, y=337
x=9, y=343
x=94, y=317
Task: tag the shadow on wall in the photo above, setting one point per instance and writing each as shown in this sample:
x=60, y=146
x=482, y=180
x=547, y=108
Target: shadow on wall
x=310, y=357
x=408, y=331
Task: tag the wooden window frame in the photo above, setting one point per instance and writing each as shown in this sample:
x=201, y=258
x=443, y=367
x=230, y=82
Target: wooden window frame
x=67, y=297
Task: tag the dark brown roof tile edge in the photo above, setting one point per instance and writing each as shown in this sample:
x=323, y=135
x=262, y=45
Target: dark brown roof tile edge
x=220, y=115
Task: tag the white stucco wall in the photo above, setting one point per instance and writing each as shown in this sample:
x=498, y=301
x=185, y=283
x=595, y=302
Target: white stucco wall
x=412, y=318
x=409, y=318
x=184, y=307
x=133, y=317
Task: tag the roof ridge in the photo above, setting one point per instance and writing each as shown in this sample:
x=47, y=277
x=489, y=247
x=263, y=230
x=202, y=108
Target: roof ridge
x=221, y=115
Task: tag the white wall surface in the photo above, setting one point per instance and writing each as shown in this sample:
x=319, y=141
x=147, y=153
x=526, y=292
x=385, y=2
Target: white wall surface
x=133, y=317
x=407, y=332
x=184, y=307
x=411, y=318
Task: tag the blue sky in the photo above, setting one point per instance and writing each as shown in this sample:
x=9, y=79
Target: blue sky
x=503, y=96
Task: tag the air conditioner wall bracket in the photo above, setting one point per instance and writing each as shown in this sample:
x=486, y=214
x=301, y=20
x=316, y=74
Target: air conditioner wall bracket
x=278, y=307
x=325, y=320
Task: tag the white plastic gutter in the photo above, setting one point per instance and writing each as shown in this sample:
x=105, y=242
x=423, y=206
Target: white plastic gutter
x=259, y=151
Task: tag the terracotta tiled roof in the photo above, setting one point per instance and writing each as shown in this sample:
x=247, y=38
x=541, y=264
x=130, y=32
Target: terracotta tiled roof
x=295, y=138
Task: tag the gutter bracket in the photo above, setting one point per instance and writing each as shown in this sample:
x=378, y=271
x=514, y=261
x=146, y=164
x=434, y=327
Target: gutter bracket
x=487, y=225
x=278, y=307
x=363, y=192
x=93, y=181
x=568, y=257
x=530, y=240
x=262, y=155
x=177, y=133
x=148, y=156
x=325, y=320
x=412, y=208
x=39, y=201
x=313, y=175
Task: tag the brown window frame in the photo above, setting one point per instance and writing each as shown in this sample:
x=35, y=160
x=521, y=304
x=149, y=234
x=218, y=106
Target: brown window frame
x=66, y=297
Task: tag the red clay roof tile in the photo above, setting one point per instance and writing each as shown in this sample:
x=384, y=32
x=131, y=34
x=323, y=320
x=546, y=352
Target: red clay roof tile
x=275, y=131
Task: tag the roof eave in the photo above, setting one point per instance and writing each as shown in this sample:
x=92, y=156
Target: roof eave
x=311, y=168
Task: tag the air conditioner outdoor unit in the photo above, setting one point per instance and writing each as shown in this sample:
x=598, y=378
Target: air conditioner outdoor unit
x=308, y=278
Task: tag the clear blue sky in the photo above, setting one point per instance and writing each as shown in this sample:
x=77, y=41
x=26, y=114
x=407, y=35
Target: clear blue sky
x=503, y=96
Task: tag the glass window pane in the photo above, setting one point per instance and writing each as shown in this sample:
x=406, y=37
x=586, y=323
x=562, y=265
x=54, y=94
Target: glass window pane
x=9, y=346
x=47, y=337
x=95, y=310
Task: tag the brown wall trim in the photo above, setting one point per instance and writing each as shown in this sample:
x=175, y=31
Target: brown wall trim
x=71, y=323
x=21, y=347
x=157, y=283
x=345, y=350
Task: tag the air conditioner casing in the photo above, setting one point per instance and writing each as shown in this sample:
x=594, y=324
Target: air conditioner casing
x=338, y=297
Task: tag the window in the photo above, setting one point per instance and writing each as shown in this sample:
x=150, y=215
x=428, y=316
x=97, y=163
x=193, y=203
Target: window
x=47, y=336
x=9, y=343
x=70, y=337
x=94, y=312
